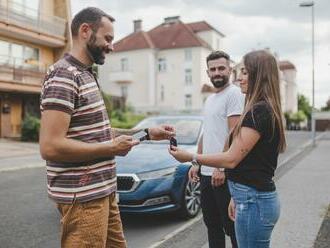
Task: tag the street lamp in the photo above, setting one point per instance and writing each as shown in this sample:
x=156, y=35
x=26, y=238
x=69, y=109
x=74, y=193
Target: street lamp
x=311, y=4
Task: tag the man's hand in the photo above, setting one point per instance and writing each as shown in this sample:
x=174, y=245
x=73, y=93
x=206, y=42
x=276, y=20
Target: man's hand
x=123, y=144
x=218, y=178
x=231, y=209
x=193, y=174
x=161, y=132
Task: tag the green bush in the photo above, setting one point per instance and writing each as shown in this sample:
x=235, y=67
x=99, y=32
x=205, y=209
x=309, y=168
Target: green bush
x=30, y=128
x=125, y=120
x=298, y=117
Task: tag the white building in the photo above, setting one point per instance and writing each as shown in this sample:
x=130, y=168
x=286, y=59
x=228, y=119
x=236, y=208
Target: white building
x=288, y=85
x=289, y=89
x=162, y=69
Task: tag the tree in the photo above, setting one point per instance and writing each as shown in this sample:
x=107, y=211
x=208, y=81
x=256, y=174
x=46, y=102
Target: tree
x=304, y=106
x=298, y=117
x=327, y=106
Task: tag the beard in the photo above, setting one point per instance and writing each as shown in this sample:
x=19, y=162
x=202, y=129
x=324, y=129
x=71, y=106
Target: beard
x=95, y=52
x=219, y=81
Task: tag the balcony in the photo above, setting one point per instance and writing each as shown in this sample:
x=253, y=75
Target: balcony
x=19, y=21
x=121, y=76
x=17, y=75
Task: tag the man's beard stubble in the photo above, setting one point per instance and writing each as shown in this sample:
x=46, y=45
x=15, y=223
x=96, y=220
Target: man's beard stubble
x=219, y=81
x=95, y=52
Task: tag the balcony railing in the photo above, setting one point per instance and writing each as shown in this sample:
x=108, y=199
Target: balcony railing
x=21, y=71
x=26, y=17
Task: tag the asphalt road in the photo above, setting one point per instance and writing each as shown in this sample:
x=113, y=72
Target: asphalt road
x=29, y=219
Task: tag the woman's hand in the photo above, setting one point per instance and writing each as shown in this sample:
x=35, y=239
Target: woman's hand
x=231, y=209
x=180, y=155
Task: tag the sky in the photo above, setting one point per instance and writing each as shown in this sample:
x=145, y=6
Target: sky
x=280, y=25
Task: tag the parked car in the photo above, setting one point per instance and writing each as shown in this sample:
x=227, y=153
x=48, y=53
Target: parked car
x=150, y=180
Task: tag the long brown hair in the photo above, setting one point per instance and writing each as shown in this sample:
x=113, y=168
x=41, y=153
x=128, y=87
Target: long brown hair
x=263, y=85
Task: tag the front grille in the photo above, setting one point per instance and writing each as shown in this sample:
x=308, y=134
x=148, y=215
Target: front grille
x=125, y=183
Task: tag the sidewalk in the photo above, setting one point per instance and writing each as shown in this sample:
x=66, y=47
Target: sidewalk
x=9, y=148
x=305, y=195
x=18, y=155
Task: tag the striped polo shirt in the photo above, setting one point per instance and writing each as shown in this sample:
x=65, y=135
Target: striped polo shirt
x=71, y=87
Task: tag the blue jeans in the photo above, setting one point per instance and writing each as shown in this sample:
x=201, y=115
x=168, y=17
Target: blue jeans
x=256, y=215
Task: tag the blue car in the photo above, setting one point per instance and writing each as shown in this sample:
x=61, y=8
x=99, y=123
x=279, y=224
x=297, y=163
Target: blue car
x=150, y=180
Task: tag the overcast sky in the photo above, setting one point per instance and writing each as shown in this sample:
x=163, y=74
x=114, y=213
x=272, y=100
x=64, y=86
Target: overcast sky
x=281, y=25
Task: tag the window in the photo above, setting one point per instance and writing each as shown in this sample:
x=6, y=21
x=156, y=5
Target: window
x=18, y=55
x=162, y=93
x=124, y=64
x=161, y=64
x=188, y=101
x=188, y=76
x=4, y=52
x=188, y=54
x=29, y=8
x=124, y=91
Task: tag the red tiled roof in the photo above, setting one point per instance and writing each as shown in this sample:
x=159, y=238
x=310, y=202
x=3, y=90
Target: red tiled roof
x=286, y=65
x=134, y=41
x=203, y=26
x=176, y=35
x=165, y=36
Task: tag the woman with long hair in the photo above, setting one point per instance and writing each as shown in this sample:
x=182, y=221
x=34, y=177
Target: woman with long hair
x=253, y=148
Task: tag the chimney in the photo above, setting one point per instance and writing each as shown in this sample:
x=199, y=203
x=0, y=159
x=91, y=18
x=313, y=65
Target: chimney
x=171, y=19
x=137, y=25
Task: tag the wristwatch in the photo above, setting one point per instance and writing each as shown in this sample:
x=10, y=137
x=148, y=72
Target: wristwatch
x=147, y=137
x=194, y=161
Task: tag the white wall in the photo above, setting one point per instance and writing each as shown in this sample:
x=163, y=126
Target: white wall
x=211, y=38
x=173, y=79
x=140, y=74
x=145, y=81
x=291, y=90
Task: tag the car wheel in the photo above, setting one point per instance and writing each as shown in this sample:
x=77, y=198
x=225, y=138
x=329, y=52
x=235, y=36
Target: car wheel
x=191, y=200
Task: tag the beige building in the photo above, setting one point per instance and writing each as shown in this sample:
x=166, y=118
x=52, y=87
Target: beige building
x=33, y=34
x=163, y=69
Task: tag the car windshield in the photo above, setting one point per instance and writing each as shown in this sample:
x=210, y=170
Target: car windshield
x=187, y=130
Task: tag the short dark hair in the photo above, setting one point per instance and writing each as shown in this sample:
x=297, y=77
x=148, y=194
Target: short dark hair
x=217, y=55
x=90, y=15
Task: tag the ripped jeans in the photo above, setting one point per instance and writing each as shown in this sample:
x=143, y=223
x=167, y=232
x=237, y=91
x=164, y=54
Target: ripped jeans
x=256, y=215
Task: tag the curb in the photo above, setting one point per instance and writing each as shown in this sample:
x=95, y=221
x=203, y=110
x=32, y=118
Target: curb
x=28, y=166
x=177, y=231
x=189, y=224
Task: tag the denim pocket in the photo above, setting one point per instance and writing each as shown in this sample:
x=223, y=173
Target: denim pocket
x=240, y=187
x=269, y=208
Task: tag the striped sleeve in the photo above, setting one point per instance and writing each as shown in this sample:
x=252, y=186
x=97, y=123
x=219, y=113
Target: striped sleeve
x=60, y=91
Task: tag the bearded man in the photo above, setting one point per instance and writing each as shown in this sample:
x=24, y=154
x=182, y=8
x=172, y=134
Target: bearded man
x=222, y=110
x=76, y=140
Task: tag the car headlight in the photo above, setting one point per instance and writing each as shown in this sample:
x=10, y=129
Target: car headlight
x=157, y=173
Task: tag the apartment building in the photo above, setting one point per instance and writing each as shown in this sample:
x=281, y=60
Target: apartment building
x=33, y=34
x=163, y=69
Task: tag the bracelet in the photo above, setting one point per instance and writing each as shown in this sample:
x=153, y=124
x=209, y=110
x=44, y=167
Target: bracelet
x=147, y=137
x=194, y=161
x=221, y=169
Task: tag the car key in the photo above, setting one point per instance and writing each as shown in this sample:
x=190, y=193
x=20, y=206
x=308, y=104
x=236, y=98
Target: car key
x=173, y=142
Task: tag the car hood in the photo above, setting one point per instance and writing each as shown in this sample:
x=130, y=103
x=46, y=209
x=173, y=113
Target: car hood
x=148, y=157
